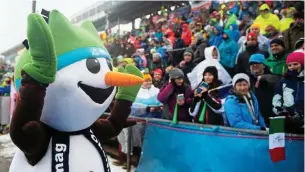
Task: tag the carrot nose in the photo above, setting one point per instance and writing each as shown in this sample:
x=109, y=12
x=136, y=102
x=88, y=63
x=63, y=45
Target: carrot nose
x=122, y=79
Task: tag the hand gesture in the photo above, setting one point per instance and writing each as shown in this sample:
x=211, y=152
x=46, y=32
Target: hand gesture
x=182, y=63
x=129, y=92
x=258, y=81
x=41, y=49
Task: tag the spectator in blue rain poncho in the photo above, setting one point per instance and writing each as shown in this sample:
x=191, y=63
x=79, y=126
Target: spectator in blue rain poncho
x=158, y=48
x=244, y=11
x=159, y=35
x=228, y=51
x=235, y=32
x=235, y=8
x=216, y=38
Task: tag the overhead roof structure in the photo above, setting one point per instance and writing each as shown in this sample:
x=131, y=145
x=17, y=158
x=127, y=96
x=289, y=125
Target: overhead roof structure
x=125, y=11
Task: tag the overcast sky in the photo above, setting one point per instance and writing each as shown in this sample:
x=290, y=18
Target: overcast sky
x=13, y=16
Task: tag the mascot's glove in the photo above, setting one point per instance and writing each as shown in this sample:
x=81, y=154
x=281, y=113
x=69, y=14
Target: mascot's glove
x=130, y=92
x=42, y=50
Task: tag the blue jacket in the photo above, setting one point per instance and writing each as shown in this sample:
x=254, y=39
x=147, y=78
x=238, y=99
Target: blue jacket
x=139, y=62
x=238, y=114
x=242, y=14
x=228, y=51
x=235, y=32
x=5, y=90
x=160, y=50
x=216, y=40
x=244, y=11
x=289, y=93
x=235, y=9
x=159, y=36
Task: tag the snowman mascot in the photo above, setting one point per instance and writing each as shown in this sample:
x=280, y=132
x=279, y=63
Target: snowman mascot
x=65, y=83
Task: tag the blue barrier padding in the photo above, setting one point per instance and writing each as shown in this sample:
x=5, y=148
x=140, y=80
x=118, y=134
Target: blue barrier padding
x=184, y=148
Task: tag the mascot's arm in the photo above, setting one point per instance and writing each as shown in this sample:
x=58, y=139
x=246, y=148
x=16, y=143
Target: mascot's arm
x=111, y=127
x=107, y=128
x=26, y=130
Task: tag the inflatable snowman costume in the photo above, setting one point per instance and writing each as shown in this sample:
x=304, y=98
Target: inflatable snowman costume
x=65, y=83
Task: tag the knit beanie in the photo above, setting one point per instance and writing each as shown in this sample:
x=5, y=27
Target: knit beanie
x=212, y=70
x=146, y=77
x=295, y=57
x=278, y=41
x=257, y=58
x=240, y=76
x=176, y=73
x=188, y=51
x=251, y=36
x=159, y=71
x=255, y=25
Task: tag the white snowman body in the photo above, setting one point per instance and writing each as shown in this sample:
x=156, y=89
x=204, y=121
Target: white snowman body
x=83, y=157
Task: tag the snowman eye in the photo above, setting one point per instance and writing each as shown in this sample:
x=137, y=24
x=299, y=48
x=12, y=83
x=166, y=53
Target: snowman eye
x=109, y=64
x=93, y=65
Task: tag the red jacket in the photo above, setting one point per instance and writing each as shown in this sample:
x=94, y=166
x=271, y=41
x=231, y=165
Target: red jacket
x=187, y=37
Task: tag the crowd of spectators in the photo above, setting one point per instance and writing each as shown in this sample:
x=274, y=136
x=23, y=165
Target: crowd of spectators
x=256, y=49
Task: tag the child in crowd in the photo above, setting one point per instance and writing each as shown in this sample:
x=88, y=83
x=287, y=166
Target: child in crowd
x=206, y=104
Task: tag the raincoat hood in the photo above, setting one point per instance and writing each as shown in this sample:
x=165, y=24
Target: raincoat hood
x=219, y=29
x=229, y=33
x=208, y=53
x=264, y=7
x=234, y=26
x=246, y=5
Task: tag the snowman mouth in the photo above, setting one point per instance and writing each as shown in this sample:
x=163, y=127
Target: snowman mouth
x=98, y=95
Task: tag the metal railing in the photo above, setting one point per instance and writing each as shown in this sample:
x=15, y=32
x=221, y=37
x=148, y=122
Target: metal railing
x=4, y=110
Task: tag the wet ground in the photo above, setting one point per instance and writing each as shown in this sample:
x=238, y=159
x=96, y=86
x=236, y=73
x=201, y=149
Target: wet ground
x=5, y=151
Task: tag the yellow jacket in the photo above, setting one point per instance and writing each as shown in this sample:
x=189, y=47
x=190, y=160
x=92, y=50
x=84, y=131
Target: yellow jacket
x=285, y=24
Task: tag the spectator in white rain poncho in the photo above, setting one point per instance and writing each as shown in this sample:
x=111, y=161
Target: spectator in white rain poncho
x=212, y=58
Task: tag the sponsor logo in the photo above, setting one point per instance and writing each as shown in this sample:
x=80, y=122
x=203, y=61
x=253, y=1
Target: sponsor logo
x=59, y=156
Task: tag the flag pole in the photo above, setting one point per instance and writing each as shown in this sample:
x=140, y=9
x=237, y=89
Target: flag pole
x=33, y=6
